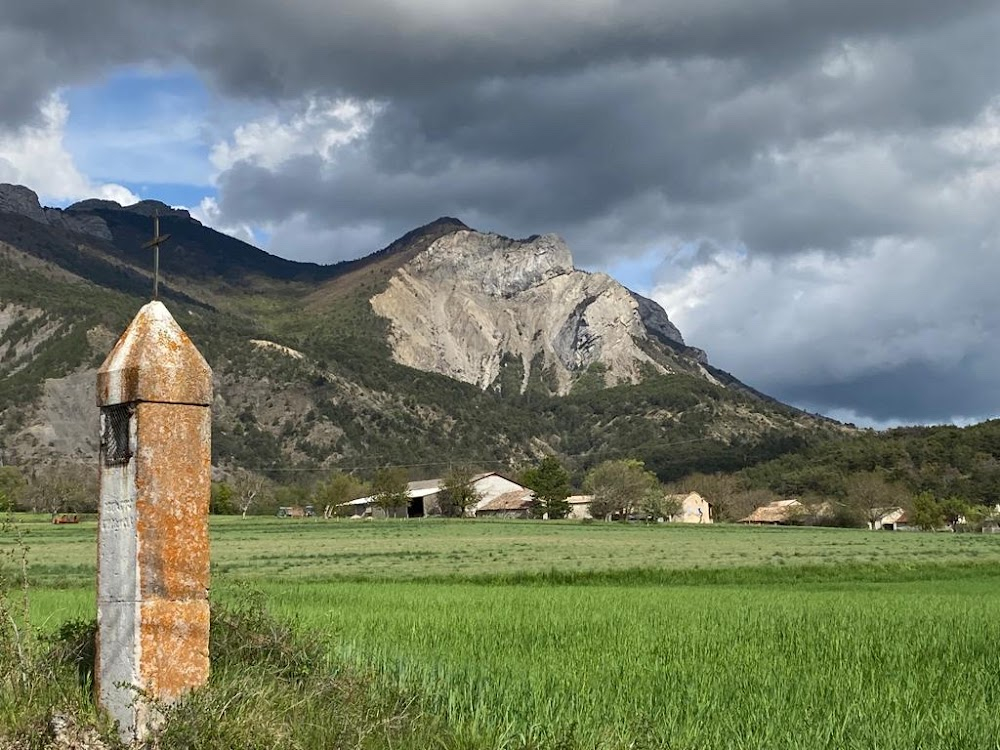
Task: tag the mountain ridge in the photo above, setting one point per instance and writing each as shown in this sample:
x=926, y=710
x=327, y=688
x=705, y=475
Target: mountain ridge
x=65, y=295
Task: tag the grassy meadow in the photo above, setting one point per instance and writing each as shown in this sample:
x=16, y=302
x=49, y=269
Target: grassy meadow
x=568, y=635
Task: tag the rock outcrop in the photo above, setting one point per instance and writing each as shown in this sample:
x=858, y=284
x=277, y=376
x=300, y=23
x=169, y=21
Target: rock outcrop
x=84, y=224
x=143, y=208
x=17, y=199
x=472, y=302
x=78, y=217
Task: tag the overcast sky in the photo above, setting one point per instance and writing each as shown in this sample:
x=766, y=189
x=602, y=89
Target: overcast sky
x=809, y=187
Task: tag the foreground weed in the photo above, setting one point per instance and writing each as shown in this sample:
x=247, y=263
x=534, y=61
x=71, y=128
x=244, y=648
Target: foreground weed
x=276, y=685
x=44, y=685
x=272, y=685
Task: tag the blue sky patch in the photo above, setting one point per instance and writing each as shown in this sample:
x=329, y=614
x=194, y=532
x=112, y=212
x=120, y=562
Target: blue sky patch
x=140, y=126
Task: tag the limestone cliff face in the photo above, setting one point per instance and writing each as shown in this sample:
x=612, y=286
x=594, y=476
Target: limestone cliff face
x=473, y=301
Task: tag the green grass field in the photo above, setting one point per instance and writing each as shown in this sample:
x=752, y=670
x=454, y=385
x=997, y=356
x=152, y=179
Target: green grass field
x=261, y=548
x=563, y=635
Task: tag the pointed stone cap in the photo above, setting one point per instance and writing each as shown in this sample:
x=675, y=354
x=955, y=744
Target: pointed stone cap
x=154, y=360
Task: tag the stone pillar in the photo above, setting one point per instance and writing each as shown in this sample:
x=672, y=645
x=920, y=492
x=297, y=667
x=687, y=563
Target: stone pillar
x=154, y=391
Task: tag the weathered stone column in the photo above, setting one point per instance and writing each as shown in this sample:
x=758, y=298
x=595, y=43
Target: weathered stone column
x=154, y=391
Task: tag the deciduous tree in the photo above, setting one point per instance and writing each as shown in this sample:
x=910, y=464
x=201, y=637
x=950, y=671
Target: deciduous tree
x=927, y=513
x=389, y=490
x=458, y=494
x=658, y=505
x=249, y=488
x=337, y=489
x=622, y=488
x=222, y=502
x=954, y=510
x=12, y=486
x=870, y=495
x=68, y=487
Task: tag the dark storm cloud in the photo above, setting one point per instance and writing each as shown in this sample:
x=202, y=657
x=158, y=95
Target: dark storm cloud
x=853, y=135
x=557, y=116
x=936, y=394
x=388, y=50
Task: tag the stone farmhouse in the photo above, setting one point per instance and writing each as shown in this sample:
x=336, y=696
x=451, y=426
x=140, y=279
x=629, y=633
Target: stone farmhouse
x=513, y=504
x=694, y=509
x=889, y=519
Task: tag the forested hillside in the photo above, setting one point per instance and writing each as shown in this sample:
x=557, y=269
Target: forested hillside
x=305, y=376
x=946, y=461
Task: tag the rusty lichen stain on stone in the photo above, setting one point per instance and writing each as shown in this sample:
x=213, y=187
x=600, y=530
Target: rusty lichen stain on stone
x=174, y=642
x=173, y=482
x=173, y=487
x=154, y=361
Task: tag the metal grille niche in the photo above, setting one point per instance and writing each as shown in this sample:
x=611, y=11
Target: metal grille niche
x=115, y=428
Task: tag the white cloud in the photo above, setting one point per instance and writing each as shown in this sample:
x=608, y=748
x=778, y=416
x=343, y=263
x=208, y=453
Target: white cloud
x=208, y=213
x=822, y=319
x=908, y=297
x=851, y=416
x=320, y=128
x=35, y=156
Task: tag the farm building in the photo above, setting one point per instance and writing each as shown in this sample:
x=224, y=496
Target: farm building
x=579, y=506
x=694, y=508
x=491, y=486
x=778, y=513
x=906, y=523
x=513, y=504
x=888, y=519
x=424, y=501
x=425, y=497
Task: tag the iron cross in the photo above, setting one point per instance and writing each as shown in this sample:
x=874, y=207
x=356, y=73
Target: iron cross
x=158, y=239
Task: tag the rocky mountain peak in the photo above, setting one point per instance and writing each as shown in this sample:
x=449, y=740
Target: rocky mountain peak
x=94, y=204
x=473, y=303
x=143, y=208
x=79, y=217
x=17, y=199
x=151, y=207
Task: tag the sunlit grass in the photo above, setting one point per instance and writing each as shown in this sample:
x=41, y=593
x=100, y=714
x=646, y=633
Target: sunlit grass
x=540, y=635
x=262, y=547
x=765, y=666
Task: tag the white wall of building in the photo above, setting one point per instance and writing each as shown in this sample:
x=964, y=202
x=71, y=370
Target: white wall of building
x=694, y=509
x=491, y=487
x=579, y=506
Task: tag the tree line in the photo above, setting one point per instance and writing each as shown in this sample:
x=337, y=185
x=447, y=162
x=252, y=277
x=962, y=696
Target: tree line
x=844, y=484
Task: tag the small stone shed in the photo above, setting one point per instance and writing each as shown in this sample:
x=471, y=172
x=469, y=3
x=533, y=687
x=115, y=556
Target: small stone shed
x=514, y=504
x=579, y=506
x=778, y=513
x=694, y=509
x=888, y=519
